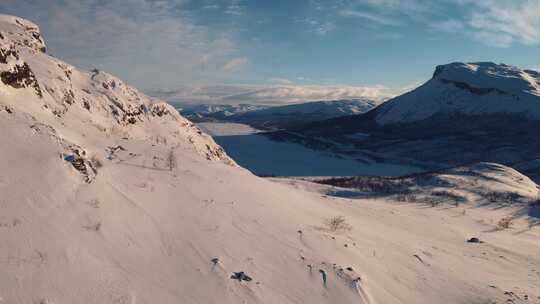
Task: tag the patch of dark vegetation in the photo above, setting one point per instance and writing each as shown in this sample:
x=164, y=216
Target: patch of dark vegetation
x=448, y=196
x=503, y=198
x=385, y=185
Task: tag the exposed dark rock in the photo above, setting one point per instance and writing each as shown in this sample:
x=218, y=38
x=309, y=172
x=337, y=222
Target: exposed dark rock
x=159, y=110
x=21, y=76
x=474, y=240
x=240, y=276
x=472, y=89
x=6, y=52
x=86, y=104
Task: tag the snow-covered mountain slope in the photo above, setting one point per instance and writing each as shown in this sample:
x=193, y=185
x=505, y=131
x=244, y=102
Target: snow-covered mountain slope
x=123, y=201
x=284, y=116
x=467, y=88
x=65, y=100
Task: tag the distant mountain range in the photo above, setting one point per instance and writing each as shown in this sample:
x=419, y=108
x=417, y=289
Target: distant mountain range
x=276, y=117
x=466, y=112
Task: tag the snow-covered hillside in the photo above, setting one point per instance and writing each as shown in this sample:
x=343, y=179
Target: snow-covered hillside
x=109, y=197
x=63, y=100
x=470, y=89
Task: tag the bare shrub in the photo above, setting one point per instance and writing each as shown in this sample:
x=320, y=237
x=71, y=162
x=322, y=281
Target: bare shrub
x=337, y=223
x=432, y=201
x=171, y=160
x=505, y=223
x=501, y=197
x=450, y=196
x=406, y=197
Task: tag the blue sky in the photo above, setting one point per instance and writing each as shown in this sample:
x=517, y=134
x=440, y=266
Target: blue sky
x=352, y=43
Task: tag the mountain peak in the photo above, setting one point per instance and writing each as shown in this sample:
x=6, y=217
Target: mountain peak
x=467, y=88
x=20, y=32
x=486, y=75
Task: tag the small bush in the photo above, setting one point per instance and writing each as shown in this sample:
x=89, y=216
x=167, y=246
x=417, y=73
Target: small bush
x=443, y=194
x=171, y=160
x=337, y=223
x=505, y=223
x=501, y=197
x=432, y=201
x=406, y=197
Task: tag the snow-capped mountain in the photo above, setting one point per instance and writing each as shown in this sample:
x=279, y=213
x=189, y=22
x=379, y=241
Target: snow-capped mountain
x=218, y=112
x=107, y=196
x=468, y=112
x=467, y=89
x=285, y=116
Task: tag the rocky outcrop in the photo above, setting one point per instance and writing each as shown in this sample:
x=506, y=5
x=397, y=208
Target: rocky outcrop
x=94, y=101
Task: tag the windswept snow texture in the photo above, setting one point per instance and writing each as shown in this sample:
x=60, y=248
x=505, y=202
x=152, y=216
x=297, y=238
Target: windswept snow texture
x=109, y=197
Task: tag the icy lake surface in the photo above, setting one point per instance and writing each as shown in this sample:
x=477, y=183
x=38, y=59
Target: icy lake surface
x=263, y=156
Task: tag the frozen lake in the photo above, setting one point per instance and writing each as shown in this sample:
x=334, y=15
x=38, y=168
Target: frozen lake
x=266, y=157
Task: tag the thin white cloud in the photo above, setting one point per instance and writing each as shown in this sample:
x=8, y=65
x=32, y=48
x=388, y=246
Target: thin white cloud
x=211, y=6
x=499, y=23
x=325, y=28
x=234, y=65
x=234, y=10
x=154, y=47
x=269, y=95
x=378, y=19
x=448, y=26
x=282, y=81
x=503, y=23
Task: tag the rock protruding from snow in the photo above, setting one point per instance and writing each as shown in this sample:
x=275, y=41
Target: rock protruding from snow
x=21, y=32
x=469, y=89
x=57, y=94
